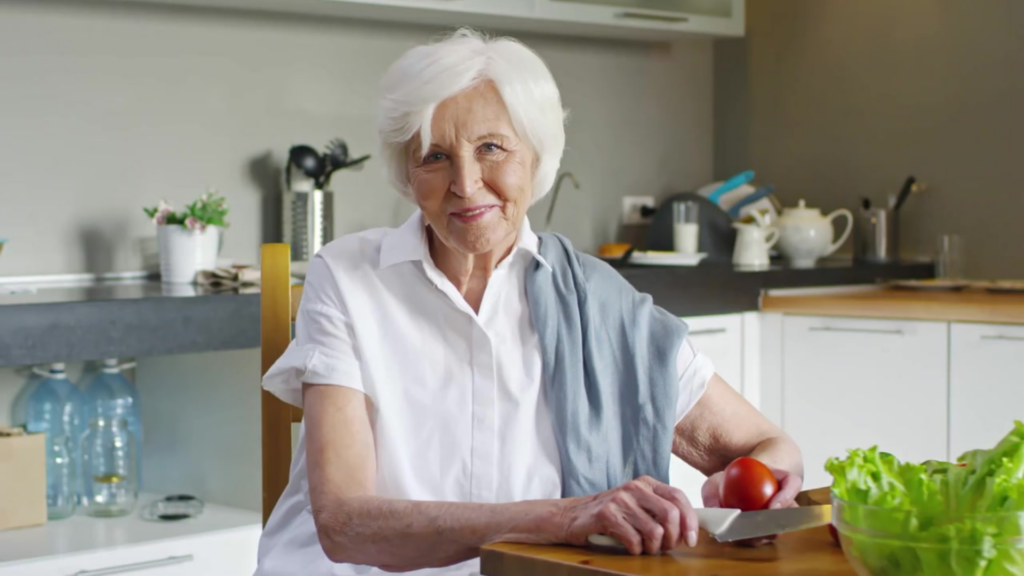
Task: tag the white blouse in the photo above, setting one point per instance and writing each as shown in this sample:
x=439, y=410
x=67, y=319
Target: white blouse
x=458, y=407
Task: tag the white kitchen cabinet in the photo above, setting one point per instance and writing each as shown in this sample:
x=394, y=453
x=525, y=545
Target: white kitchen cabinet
x=222, y=541
x=632, y=19
x=720, y=338
x=986, y=387
x=724, y=17
x=854, y=383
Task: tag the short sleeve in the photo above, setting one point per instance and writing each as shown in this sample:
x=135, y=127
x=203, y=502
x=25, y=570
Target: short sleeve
x=324, y=349
x=695, y=371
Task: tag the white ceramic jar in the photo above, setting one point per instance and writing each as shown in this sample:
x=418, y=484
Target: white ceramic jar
x=806, y=234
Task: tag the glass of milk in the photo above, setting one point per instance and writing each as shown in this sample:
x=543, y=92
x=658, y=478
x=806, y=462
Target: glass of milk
x=686, y=227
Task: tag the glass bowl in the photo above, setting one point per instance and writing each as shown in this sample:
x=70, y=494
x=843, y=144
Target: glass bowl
x=890, y=542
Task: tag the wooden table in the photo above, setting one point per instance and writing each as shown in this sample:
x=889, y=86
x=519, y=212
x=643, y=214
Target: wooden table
x=805, y=553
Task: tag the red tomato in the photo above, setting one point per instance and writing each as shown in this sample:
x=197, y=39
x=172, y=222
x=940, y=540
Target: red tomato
x=748, y=485
x=835, y=533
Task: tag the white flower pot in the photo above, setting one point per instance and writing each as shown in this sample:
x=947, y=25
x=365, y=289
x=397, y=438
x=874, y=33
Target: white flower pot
x=184, y=252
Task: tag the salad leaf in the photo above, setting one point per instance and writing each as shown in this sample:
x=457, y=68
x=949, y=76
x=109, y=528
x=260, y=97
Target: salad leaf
x=935, y=518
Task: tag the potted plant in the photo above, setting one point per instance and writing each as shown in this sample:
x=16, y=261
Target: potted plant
x=189, y=240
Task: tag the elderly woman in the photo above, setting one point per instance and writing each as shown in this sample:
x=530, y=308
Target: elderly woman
x=465, y=381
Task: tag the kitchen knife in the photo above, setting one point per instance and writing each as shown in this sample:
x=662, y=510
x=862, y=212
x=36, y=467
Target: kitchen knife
x=729, y=525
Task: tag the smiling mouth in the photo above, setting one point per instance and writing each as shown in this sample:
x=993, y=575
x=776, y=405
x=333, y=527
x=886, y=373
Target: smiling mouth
x=480, y=210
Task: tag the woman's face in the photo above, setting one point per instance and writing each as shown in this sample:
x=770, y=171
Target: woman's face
x=475, y=182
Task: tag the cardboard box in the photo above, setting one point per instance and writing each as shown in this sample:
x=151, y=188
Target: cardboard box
x=22, y=479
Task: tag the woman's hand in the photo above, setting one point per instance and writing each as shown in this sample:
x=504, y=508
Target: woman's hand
x=644, y=514
x=789, y=487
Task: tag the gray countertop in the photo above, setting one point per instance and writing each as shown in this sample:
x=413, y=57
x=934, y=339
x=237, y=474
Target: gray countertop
x=131, y=319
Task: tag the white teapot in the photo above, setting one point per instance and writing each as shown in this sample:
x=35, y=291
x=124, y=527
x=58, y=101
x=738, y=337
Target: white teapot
x=806, y=234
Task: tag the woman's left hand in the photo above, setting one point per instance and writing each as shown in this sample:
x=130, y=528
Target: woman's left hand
x=789, y=486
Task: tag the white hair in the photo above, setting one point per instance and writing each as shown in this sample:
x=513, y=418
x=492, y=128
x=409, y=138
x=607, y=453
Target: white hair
x=427, y=75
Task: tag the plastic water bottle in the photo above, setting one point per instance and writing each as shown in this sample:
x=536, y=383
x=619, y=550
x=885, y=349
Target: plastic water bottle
x=112, y=397
x=56, y=407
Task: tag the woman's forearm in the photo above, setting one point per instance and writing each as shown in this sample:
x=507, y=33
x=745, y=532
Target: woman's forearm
x=780, y=452
x=402, y=535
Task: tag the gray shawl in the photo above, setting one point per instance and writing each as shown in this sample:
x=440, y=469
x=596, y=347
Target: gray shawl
x=609, y=366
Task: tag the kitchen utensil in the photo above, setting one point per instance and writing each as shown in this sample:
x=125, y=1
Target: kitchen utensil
x=908, y=185
x=686, y=226
x=949, y=257
x=662, y=258
x=306, y=159
x=934, y=284
x=716, y=236
x=876, y=236
x=807, y=234
x=753, y=242
x=737, y=180
x=749, y=199
x=308, y=222
x=336, y=158
x=729, y=524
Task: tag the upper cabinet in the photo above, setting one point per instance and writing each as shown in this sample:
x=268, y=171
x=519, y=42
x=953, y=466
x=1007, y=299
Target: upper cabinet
x=652, y=20
x=714, y=17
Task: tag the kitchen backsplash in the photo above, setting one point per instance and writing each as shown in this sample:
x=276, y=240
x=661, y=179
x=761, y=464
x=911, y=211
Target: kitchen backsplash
x=109, y=107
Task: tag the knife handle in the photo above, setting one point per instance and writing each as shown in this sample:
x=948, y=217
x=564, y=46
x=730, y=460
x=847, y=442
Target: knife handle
x=711, y=520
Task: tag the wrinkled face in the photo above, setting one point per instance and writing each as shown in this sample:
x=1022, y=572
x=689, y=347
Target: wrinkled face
x=475, y=182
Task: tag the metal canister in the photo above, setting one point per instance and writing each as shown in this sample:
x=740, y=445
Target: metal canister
x=877, y=236
x=308, y=222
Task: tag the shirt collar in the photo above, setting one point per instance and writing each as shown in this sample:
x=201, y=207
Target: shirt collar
x=409, y=243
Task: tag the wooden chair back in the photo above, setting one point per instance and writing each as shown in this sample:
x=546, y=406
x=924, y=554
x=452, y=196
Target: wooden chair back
x=279, y=303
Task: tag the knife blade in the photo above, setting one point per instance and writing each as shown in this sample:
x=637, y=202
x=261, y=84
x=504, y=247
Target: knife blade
x=729, y=525
x=761, y=523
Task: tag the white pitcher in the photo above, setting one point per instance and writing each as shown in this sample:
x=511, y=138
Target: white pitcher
x=807, y=234
x=752, y=244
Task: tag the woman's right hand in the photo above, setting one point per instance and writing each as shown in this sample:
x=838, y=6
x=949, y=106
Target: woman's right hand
x=644, y=514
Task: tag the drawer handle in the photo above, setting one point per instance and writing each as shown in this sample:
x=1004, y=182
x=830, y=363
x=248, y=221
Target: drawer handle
x=170, y=560
x=707, y=332
x=630, y=15
x=1004, y=338
x=857, y=330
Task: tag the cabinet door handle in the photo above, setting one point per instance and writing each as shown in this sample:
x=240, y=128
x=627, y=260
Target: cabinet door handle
x=170, y=560
x=1004, y=338
x=631, y=15
x=857, y=330
x=707, y=332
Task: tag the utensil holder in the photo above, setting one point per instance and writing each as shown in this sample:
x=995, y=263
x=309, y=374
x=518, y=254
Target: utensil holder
x=308, y=222
x=877, y=236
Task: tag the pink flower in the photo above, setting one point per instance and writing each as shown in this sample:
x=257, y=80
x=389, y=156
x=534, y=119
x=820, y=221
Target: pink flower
x=160, y=219
x=193, y=223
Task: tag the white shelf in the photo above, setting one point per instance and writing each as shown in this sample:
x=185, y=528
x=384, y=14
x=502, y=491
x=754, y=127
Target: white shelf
x=81, y=533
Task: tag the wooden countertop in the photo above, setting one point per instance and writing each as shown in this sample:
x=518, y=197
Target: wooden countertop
x=798, y=553
x=966, y=306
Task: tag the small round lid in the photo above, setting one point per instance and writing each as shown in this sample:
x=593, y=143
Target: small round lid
x=801, y=209
x=57, y=367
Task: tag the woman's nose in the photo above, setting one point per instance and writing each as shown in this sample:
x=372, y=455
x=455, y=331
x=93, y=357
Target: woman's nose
x=466, y=178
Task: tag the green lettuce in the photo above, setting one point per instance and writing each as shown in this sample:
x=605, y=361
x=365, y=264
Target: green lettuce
x=934, y=518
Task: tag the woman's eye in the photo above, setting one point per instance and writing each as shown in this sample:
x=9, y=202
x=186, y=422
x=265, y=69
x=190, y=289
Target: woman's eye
x=490, y=147
x=433, y=157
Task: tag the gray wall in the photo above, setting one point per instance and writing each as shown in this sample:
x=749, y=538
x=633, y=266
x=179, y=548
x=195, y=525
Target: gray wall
x=106, y=108
x=835, y=99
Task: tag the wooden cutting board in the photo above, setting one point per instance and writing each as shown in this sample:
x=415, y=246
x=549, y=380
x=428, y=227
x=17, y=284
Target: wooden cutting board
x=804, y=553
